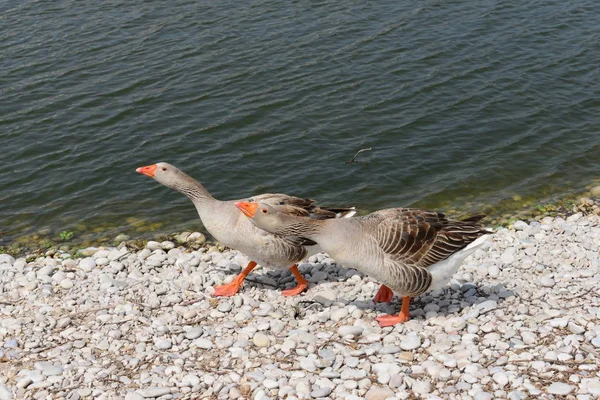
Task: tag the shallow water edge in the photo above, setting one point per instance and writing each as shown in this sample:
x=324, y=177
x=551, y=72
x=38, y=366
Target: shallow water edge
x=136, y=232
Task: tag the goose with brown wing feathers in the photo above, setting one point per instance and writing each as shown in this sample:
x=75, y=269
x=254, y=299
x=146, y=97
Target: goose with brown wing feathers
x=410, y=251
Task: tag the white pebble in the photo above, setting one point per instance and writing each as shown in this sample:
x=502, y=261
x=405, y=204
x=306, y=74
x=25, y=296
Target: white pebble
x=339, y=314
x=411, y=342
x=260, y=340
x=559, y=388
x=501, y=379
x=203, y=343
x=154, y=391
x=163, y=344
x=347, y=330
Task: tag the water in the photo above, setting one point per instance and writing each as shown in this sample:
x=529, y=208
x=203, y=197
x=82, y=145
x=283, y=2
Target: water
x=465, y=105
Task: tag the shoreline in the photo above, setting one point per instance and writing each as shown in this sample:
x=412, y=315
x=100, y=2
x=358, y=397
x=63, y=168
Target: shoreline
x=69, y=241
x=520, y=319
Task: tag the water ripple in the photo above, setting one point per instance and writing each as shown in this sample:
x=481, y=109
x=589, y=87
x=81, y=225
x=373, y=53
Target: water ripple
x=458, y=114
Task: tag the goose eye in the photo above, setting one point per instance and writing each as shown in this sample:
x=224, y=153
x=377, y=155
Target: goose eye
x=164, y=168
x=264, y=210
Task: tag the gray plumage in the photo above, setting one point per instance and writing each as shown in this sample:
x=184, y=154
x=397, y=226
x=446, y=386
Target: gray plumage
x=227, y=225
x=408, y=250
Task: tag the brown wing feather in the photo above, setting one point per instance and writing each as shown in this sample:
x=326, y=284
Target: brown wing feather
x=300, y=207
x=422, y=238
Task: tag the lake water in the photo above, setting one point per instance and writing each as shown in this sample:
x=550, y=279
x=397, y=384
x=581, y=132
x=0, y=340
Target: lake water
x=464, y=104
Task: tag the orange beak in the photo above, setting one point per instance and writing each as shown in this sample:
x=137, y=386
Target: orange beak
x=249, y=209
x=148, y=170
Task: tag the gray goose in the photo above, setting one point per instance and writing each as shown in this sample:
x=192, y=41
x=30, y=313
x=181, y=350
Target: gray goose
x=225, y=223
x=410, y=251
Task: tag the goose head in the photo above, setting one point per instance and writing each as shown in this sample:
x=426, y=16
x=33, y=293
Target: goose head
x=273, y=220
x=262, y=215
x=163, y=173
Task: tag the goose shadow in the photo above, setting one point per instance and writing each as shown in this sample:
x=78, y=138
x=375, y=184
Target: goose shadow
x=282, y=279
x=450, y=300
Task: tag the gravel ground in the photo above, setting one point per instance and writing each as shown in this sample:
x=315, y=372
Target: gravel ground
x=519, y=320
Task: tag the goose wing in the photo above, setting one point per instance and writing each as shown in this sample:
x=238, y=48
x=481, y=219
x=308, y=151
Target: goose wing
x=301, y=207
x=422, y=238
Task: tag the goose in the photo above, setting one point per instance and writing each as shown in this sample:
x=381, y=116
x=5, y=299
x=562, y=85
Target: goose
x=225, y=223
x=410, y=251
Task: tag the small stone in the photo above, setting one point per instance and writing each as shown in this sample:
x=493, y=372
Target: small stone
x=559, y=388
x=203, y=343
x=574, y=328
x=596, y=341
x=191, y=380
x=411, y=342
x=302, y=387
x=45, y=271
x=347, y=330
x=260, y=340
x=389, y=350
x=163, y=344
x=547, y=281
x=592, y=385
x=23, y=383
x=154, y=391
x=321, y=392
x=121, y=238
x=48, y=369
x=487, y=306
x=102, y=261
x=172, y=370
x=134, y=396
x=353, y=374
x=5, y=393
x=379, y=393
x=63, y=322
x=152, y=245
x=194, y=333
x=406, y=356
x=500, y=378
x=455, y=324
x=351, y=362
x=339, y=314
x=307, y=337
x=421, y=387
x=256, y=375
x=595, y=191
x=493, y=271
x=520, y=225
x=326, y=298
x=7, y=259
x=270, y=384
x=224, y=306
x=350, y=385
x=66, y=284
x=528, y=337
x=87, y=264
x=167, y=245
x=318, y=276
x=103, y=345
x=197, y=238
x=307, y=364
x=483, y=396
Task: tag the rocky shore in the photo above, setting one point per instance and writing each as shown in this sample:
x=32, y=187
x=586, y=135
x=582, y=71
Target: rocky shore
x=521, y=319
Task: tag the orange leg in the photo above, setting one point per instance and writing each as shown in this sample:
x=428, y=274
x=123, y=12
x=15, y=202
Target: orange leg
x=302, y=283
x=389, y=320
x=232, y=288
x=384, y=295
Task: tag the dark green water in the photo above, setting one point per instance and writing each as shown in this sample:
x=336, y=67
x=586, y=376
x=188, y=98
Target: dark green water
x=465, y=104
